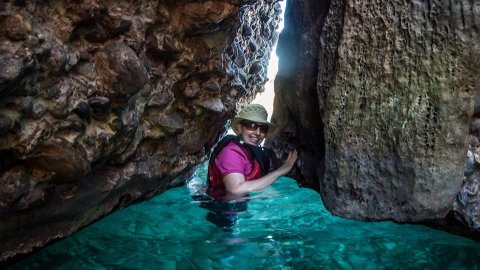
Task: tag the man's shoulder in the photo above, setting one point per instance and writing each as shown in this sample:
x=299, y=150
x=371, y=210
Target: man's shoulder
x=233, y=146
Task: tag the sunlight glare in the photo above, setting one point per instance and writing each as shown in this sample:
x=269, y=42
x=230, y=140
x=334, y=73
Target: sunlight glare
x=266, y=98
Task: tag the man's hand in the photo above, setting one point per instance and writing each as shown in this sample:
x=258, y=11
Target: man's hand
x=289, y=162
x=235, y=182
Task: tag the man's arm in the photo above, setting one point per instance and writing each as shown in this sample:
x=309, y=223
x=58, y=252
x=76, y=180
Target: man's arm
x=235, y=183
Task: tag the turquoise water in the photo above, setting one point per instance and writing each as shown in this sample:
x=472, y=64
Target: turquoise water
x=284, y=227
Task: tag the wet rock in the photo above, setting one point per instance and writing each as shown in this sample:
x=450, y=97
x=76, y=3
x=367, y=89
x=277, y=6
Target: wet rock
x=31, y=136
x=99, y=104
x=57, y=59
x=117, y=125
x=164, y=46
x=160, y=100
x=7, y=160
x=15, y=28
x=107, y=102
x=86, y=69
x=72, y=60
x=212, y=85
x=65, y=160
x=61, y=96
x=192, y=90
x=38, y=110
x=253, y=46
x=255, y=68
x=247, y=31
x=171, y=124
x=193, y=15
x=476, y=157
x=268, y=31
x=11, y=69
x=473, y=141
x=120, y=69
x=163, y=14
x=106, y=28
x=95, y=24
x=476, y=107
x=341, y=99
x=469, y=163
x=13, y=185
x=6, y=123
x=239, y=78
x=83, y=110
x=37, y=196
x=25, y=105
x=211, y=105
x=475, y=127
x=240, y=58
x=130, y=119
x=158, y=126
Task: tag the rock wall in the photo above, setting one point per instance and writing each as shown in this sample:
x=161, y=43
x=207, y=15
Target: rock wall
x=467, y=206
x=104, y=103
x=381, y=111
x=296, y=106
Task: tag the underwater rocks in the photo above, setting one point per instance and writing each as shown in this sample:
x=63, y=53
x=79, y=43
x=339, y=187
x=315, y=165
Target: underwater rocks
x=104, y=104
x=381, y=112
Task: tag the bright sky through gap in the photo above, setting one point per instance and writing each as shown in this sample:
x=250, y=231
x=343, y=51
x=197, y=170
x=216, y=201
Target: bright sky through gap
x=266, y=98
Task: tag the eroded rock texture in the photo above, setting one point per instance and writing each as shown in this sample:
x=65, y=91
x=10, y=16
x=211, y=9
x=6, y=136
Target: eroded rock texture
x=296, y=111
x=378, y=97
x=467, y=205
x=108, y=102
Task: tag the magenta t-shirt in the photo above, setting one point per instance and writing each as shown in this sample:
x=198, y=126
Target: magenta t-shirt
x=232, y=159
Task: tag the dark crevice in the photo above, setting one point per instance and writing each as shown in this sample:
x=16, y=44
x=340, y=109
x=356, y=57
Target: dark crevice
x=296, y=80
x=7, y=161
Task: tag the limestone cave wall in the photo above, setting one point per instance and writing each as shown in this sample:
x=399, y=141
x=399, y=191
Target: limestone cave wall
x=104, y=103
x=378, y=97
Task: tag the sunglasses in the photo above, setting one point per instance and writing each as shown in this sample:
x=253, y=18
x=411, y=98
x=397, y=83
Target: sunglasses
x=252, y=126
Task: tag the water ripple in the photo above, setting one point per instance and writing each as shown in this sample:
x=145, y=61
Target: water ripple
x=283, y=227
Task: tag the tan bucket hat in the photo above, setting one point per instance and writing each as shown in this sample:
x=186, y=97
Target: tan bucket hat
x=254, y=113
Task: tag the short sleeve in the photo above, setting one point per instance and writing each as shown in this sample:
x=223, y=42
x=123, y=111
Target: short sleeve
x=232, y=159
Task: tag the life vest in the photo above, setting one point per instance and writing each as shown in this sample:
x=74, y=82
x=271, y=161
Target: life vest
x=258, y=157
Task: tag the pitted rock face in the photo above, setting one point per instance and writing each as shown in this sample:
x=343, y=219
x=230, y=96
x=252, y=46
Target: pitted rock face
x=104, y=103
x=377, y=96
x=467, y=204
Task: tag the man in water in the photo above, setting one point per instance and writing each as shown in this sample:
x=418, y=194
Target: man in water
x=239, y=165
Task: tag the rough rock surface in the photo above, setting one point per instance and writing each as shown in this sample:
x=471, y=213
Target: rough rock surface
x=467, y=205
x=296, y=111
x=380, y=112
x=103, y=103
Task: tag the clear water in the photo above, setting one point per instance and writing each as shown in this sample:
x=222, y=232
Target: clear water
x=284, y=227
